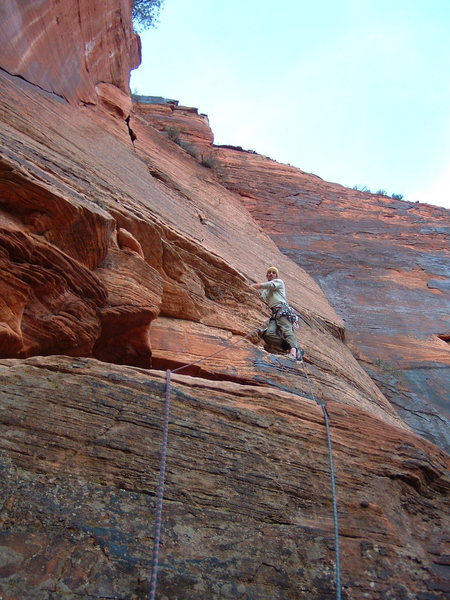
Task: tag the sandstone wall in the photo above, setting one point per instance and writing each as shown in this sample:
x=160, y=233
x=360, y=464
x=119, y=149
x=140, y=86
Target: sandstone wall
x=247, y=511
x=167, y=116
x=382, y=263
x=69, y=48
x=121, y=255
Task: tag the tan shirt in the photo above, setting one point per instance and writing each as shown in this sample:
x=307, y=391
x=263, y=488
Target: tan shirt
x=274, y=292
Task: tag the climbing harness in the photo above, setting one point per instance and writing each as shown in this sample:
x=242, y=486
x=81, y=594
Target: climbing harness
x=163, y=465
x=284, y=310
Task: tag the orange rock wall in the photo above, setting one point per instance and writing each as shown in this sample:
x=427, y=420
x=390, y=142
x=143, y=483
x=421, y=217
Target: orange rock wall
x=247, y=511
x=170, y=118
x=382, y=263
x=384, y=266
x=122, y=255
x=67, y=48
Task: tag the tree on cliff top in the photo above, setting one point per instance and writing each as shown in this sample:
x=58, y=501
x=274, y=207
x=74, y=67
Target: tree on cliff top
x=145, y=13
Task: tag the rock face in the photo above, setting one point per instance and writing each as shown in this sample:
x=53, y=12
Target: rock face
x=68, y=286
x=182, y=124
x=247, y=512
x=67, y=48
x=383, y=264
x=121, y=256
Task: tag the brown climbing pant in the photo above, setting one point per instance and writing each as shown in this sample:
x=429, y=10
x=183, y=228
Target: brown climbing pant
x=280, y=333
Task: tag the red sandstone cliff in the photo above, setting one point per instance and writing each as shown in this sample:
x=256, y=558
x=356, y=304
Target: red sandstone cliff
x=382, y=263
x=79, y=50
x=121, y=255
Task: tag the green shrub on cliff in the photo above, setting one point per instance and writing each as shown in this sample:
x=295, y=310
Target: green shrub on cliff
x=145, y=13
x=173, y=133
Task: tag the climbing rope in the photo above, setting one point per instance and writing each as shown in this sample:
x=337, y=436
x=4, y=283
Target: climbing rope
x=335, y=512
x=333, y=484
x=163, y=465
x=160, y=492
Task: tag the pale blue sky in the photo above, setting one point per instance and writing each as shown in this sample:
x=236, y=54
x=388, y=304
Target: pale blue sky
x=355, y=91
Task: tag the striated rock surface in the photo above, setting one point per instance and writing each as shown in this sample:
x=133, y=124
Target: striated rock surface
x=383, y=263
x=173, y=208
x=247, y=511
x=69, y=288
x=182, y=124
x=67, y=48
x=122, y=255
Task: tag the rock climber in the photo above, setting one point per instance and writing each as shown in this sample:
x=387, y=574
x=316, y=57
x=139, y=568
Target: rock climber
x=280, y=329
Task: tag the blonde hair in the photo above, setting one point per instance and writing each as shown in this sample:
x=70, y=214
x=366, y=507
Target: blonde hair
x=272, y=269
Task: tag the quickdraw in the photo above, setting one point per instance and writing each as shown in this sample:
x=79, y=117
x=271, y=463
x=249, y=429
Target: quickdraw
x=284, y=310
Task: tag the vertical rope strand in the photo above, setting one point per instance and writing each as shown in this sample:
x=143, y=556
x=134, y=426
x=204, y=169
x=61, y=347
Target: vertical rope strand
x=160, y=492
x=335, y=512
x=333, y=485
x=163, y=465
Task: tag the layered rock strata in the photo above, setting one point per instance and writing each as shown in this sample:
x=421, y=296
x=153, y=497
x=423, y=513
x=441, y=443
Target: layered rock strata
x=247, y=509
x=77, y=50
x=121, y=256
x=167, y=116
x=383, y=264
